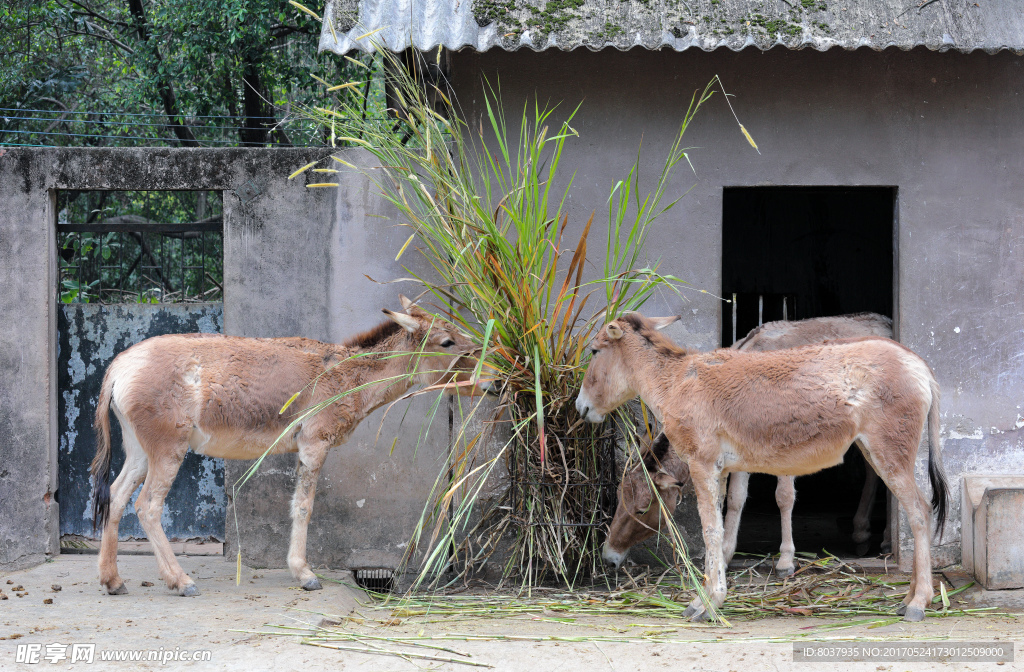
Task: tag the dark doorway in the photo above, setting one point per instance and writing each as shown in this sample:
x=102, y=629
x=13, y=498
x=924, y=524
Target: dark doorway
x=794, y=253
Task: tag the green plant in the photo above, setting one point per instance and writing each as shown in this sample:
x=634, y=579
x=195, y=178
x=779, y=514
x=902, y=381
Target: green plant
x=486, y=208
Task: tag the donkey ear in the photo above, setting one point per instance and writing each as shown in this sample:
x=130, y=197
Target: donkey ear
x=614, y=331
x=406, y=301
x=660, y=323
x=410, y=324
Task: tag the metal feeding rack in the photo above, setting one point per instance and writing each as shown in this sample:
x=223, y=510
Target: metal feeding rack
x=585, y=504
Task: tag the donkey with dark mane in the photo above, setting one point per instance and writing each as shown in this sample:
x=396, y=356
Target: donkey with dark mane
x=781, y=335
x=784, y=412
x=224, y=396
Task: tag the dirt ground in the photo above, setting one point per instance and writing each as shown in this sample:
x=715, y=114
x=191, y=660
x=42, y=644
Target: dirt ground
x=224, y=619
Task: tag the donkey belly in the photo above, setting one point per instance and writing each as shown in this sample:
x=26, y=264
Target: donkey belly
x=786, y=460
x=238, y=445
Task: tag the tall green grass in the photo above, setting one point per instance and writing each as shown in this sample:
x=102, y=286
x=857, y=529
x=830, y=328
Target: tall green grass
x=485, y=206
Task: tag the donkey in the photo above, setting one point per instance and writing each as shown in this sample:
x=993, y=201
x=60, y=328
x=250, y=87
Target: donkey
x=783, y=412
x=224, y=396
x=790, y=334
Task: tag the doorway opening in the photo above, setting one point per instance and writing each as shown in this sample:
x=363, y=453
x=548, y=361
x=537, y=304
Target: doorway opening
x=132, y=265
x=796, y=253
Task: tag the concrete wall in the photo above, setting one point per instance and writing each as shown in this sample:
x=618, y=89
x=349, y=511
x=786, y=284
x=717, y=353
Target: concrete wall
x=942, y=127
x=295, y=260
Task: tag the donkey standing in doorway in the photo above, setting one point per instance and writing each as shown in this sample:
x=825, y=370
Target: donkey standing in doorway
x=783, y=412
x=224, y=396
x=791, y=334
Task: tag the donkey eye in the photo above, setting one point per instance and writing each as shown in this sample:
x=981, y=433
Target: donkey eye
x=447, y=343
x=594, y=351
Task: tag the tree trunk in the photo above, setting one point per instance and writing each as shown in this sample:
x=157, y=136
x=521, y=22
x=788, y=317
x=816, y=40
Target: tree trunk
x=258, y=116
x=183, y=133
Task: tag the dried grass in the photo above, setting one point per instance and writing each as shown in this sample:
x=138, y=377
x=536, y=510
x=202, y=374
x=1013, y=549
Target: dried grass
x=643, y=606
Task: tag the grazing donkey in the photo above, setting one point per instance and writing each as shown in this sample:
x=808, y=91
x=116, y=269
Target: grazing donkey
x=223, y=396
x=791, y=334
x=783, y=412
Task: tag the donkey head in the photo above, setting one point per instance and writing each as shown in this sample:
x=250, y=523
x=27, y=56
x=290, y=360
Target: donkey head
x=442, y=354
x=638, y=514
x=608, y=381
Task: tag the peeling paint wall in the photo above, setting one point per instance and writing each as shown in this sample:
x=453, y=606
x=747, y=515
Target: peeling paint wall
x=89, y=337
x=295, y=261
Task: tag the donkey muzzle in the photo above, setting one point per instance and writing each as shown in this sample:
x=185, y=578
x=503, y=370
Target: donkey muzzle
x=585, y=410
x=612, y=557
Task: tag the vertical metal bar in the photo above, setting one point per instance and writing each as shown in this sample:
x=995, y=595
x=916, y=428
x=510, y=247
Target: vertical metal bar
x=734, y=317
x=78, y=270
x=785, y=313
x=760, y=309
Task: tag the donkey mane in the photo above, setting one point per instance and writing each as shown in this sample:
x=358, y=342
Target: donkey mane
x=374, y=336
x=663, y=345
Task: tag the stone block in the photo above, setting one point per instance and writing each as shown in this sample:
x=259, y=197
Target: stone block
x=993, y=530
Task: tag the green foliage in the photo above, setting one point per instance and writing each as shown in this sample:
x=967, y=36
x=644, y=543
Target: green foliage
x=182, y=60
x=139, y=267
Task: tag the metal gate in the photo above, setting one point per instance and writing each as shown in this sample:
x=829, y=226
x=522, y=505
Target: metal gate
x=125, y=278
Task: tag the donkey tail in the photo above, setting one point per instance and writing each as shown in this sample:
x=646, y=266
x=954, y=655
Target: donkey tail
x=936, y=473
x=100, y=467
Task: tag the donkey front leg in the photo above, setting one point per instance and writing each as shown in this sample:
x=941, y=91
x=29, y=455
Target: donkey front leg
x=738, y=482
x=302, y=508
x=707, y=484
x=785, y=497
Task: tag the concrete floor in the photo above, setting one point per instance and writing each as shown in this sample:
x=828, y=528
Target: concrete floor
x=152, y=618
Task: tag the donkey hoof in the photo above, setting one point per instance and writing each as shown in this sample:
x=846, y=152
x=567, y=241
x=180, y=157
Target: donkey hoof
x=701, y=616
x=862, y=549
x=691, y=610
x=120, y=590
x=901, y=610
x=312, y=584
x=914, y=614
x=783, y=572
x=189, y=591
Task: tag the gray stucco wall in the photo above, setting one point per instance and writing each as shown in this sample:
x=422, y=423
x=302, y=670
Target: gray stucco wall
x=942, y=127
x=295, y=260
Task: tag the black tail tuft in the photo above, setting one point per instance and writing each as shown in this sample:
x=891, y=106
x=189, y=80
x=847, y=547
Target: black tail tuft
x=940, y=494
x=101, y=498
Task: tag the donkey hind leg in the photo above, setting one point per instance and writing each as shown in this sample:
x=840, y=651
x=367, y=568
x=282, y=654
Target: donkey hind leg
x=785, y=497
x=738, y=482
x=150, y=506
x=132, y=473
x=862, y=519
x=900, y=481
x=707, y=485
x=310, y=462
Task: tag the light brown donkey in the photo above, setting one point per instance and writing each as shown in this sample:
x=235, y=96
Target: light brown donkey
x=785, y=412
x=780, y=335
x=222, y=396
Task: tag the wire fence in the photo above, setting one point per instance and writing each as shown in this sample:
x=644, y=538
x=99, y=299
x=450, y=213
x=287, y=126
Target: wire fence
x=32, y=127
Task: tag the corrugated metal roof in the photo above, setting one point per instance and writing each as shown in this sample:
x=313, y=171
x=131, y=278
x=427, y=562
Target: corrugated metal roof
x=963, y=25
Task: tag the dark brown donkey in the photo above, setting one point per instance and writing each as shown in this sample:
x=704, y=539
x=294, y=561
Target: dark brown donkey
x=785, y=412
x=223, y=396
